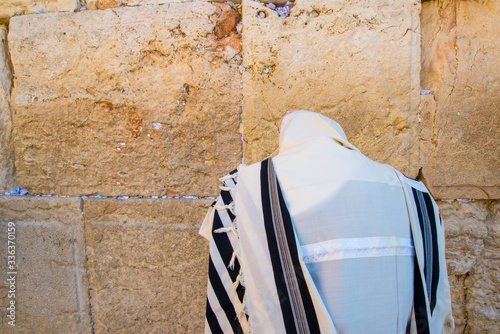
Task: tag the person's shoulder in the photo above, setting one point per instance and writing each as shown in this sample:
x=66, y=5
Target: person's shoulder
x=414, y=183
x=244, y=169
x=247, y=174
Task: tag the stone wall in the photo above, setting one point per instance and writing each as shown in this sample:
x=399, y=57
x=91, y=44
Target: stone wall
x=146, y=264
x=126, y=101
x=460, y=64
x=354, y=61
x=459, y=151
x=119, y=116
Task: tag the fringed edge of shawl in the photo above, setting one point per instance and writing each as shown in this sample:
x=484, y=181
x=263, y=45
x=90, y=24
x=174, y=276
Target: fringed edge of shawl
x=242, y=312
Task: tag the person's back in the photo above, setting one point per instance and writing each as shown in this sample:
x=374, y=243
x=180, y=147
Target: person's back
x=322, y=241
x=352, y=223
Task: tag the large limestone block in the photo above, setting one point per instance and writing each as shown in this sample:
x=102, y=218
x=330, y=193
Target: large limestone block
x=483, y=286
x=147, y=265
x=7, y=170
x=105, y=4
x=51, y=284
x=126, y=101
x=473, y=258
x=356, y=62
x=10, y=8
x=460, y=62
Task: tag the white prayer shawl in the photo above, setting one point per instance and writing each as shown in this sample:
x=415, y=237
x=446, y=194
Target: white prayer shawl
x=321, y=239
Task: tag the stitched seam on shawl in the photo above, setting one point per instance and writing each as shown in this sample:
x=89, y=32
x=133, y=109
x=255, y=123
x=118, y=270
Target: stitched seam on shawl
x=349, y=248
x=286, y=261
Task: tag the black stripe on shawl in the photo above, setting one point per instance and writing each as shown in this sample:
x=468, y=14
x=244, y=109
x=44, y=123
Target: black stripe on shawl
x=419, y=304
x=240, y=290
x=227, y=199
x=279, y=280
x=225, y=248
x=433, y=251
x=224, y=301
x=279, y=272
x=212, y=321
x=312, y=318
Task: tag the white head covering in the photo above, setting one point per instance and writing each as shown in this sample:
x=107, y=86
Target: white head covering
x=301, y=125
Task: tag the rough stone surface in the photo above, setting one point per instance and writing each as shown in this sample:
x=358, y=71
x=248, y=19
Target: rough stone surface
x=460, y=64
x=472, y=232
x=147, y=265
x=9, y=8
x=7, y=169
x=354, y=61
x=51, y=294
x=126, y=101
x=105, y=4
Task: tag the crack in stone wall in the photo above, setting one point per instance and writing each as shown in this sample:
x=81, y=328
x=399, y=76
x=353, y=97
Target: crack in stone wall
x=7, y=153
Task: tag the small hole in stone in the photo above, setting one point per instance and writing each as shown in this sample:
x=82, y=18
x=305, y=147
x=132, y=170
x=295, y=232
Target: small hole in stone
x=261, y=14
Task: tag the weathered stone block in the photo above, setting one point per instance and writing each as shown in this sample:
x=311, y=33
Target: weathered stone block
x=105, y=4
x=460, y=63
x=7, y=171
x=354, y=61
x=9, y=8
x=147, y=265
x=51, y=292
x=473, y=259
x=483, y=286
x=126, y=101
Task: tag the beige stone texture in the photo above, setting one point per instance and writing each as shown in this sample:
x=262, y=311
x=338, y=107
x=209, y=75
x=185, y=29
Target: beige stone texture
x=51, y=284
x=147, y=265
x=7, y=169
x=9, y=8
x=105, y=4
x=460, y=63
x=126, y=101
x=472, y=232
x=353, y=61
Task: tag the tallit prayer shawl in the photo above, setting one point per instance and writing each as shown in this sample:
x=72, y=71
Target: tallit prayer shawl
x=275, y=270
